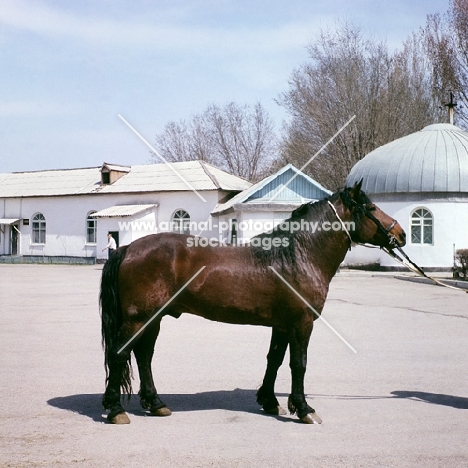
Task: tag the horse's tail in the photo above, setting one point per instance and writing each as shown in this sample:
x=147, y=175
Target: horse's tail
x=111, y=315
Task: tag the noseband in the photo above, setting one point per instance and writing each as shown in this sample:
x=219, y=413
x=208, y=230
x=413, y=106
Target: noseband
x=392, y=242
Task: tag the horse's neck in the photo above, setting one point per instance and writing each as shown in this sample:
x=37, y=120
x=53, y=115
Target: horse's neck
x=327, y=248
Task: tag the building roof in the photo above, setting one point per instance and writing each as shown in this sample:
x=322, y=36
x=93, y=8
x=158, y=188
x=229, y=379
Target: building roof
x=43, y=183
x=286, y=189
x=116, y=167
x=435, y=159
x=9, y=220
x=122, y=211
x=179, y=176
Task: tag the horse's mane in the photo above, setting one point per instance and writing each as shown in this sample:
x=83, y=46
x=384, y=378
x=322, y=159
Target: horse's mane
x=286, y=256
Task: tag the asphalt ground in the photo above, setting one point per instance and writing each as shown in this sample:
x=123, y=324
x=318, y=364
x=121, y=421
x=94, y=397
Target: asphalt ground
x=400, y=401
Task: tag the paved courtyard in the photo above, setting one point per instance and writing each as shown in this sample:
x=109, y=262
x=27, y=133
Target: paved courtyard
x=400, y=401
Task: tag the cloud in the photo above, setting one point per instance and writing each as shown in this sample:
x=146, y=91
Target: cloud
x=142, y=32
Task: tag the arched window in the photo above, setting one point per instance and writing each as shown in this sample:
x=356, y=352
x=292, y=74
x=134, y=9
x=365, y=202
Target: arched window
x=38, y=229
x=181, y=222
x=422, y=227
x=91, y=228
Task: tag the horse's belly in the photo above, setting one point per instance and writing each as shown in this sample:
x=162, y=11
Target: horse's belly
x=235, y=316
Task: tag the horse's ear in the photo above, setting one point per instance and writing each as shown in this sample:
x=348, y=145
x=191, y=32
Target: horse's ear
x=356, y=190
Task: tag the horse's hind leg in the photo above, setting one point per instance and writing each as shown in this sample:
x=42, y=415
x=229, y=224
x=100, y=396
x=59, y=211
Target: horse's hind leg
x=144, y=351
x=266, y=393
x=118, y=372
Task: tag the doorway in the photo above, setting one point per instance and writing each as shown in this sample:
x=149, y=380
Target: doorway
x=115, y=235
x=14, y=239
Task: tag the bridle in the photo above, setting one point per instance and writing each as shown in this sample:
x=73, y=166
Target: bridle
x=392, y=242
x=363, y=208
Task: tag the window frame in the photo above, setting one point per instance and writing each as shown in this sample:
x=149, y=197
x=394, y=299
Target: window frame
x=422, y=220
x=38, y=229
x=94, y=228
x=179, y=222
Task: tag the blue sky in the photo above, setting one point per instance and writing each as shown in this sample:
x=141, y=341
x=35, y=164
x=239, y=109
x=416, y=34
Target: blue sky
x=68, y=68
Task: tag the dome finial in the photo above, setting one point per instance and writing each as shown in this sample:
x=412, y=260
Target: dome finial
x=451, y=105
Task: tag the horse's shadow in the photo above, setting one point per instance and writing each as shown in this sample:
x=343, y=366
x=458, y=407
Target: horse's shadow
x=87, y=404
x=238, y=400
x=421, y=397
x=433, y=398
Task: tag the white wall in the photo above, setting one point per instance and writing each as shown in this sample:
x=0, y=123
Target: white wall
x=158, y=220
x=65, y=224
x=66, y=219
x=130, y=228
x=360, y=255
x=251, y=223
x=450, y=227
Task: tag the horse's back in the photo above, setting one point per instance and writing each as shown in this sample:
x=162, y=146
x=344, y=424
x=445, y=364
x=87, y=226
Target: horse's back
x=154, y=243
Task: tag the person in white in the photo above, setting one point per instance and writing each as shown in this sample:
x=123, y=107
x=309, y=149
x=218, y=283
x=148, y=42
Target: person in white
x=111, y=245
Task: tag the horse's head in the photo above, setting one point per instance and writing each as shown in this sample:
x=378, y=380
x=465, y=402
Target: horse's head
x=371, y=224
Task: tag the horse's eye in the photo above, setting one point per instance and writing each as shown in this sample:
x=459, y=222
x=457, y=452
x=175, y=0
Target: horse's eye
x=370, y=207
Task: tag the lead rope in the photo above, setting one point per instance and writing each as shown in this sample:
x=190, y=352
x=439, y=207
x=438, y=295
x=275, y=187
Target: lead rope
x=408, y=263
x=412, y=266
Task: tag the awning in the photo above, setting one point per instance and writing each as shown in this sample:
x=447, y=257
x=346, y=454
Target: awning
x=122, y=211
x=9, y=220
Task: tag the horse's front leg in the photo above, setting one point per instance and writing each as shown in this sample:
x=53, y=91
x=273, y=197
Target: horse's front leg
x=299, y=337
x=144, y=351
x=266, y=393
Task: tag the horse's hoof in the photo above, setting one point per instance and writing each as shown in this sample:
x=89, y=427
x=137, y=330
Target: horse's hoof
x=311, y=418
x=276, y=411
x=161, y=412
x=120, y=418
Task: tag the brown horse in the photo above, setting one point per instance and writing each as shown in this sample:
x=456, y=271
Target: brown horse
x=280, y=280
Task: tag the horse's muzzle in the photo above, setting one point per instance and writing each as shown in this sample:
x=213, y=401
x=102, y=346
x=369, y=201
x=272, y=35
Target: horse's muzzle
x=397, y=240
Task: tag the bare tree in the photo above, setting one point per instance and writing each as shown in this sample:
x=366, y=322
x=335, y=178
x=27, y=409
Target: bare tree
x=239, y=139
x=186, y=141
x=446, y=41
x=350, y=76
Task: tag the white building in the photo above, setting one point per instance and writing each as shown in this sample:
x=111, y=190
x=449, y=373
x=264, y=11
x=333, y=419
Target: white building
x=65, y=215
x=422, y=181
